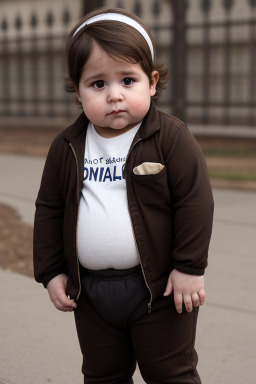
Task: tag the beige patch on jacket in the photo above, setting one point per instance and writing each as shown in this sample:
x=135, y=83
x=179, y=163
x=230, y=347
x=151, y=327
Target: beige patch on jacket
x=148, y=168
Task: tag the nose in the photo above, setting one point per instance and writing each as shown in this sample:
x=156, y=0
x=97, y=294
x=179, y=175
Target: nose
x=114, y=94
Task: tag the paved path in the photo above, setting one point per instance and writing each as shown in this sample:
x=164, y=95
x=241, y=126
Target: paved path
x=39, y=344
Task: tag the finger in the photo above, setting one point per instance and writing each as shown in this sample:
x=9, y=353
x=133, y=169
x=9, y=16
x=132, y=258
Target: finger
x=63, y=308
x=195, y=299
x=65, y=301
x=68, y=309
x=201, y=295
x=168, y=289
x=178, y=302
x=188, y=303
x=73, y=303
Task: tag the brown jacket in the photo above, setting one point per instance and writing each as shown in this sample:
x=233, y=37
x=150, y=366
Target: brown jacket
x=170, y=203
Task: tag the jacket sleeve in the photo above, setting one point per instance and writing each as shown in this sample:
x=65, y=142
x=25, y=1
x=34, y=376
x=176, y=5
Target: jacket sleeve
x=48, y=234
x=192, y=203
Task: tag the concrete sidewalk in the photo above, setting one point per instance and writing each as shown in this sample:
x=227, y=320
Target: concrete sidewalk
x=39, y=344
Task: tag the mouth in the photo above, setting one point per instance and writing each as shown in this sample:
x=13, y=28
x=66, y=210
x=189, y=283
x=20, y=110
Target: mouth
x=116, y=112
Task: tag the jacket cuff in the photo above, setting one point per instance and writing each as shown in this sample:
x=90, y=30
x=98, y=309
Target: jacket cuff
x=46, y=279
x=189, y=270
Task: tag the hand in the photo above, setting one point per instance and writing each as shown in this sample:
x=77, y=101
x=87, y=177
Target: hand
x=57, y=292
x=187, y=288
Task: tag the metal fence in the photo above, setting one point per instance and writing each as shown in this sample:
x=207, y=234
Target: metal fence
x=212, y=63
x=32, y=69
x=226, y=72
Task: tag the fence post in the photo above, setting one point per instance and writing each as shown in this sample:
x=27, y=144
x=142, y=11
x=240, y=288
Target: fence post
x=179, y=59
x=89, y=5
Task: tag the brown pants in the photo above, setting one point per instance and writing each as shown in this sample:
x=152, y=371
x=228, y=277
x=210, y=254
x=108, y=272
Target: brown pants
x=161, y=342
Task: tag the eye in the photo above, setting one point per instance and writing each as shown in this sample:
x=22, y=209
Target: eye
x=99, y=84
x=127, y=81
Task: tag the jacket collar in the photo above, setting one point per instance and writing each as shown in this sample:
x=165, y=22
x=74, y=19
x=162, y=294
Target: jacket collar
x=78, y=128
x=77, y=132
x=151, y=122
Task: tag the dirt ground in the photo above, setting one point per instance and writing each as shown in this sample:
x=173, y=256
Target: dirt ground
x=15, y=242
x=16, y=237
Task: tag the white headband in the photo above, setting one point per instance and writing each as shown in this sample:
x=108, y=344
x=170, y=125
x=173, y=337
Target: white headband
x=123, y=19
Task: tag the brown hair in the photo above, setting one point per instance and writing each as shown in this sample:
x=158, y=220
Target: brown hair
x=119, y=40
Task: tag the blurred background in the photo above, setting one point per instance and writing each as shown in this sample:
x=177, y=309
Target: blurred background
x=210, y=48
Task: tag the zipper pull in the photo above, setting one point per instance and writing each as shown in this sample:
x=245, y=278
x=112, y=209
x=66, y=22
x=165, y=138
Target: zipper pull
x=149, y=307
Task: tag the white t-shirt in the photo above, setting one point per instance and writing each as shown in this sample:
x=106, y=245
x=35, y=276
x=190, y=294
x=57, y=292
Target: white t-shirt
x=105, y=236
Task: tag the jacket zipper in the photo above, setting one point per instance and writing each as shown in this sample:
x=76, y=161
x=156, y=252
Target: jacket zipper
x=144, y=276
x=78, y=201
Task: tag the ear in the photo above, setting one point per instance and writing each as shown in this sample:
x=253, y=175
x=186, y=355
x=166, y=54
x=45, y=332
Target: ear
x=154, y=81
x=77, y=93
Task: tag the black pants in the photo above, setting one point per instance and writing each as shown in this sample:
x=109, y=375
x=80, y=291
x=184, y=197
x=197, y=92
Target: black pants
x=115, y=331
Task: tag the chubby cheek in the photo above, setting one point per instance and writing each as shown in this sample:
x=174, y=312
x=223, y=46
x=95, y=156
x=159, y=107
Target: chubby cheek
x=140, y=106
x=91, y=110
x=89, y=102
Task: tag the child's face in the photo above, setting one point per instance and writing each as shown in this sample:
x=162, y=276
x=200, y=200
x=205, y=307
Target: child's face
x=115, y=95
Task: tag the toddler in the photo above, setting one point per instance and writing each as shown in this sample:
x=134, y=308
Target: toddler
x=124, y=212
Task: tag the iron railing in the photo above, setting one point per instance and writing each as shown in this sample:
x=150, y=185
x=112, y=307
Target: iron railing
x=207, y=83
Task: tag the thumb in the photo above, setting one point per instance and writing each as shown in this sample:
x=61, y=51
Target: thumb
x=169, y=288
